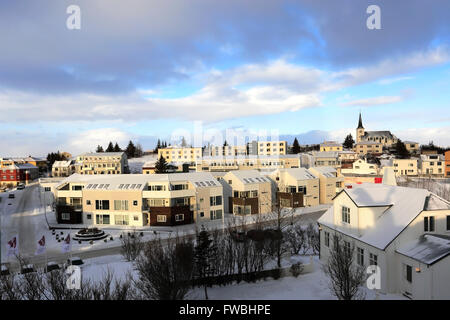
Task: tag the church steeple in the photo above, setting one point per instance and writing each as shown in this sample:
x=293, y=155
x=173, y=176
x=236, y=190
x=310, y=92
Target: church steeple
x=360, y=126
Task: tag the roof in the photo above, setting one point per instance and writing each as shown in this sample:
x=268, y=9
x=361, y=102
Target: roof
x=325, y=154
x=328, y=172
x=402, y=204
x=368, y=142
x=113, y=181
x=61, y=164
x=249, y=176
x=360, y=125
x=297, y=173
x=21, y=166
x=386, y=134
x=434, y=202
x=410, y=142
x=427, y=249
x=331, y=144
x=101, y=154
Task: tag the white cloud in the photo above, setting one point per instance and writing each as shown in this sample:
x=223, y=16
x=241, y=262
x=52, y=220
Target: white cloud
x=88, y=140
x=374, y=101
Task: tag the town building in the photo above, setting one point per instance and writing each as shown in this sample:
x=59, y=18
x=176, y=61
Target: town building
x=271, y=148
x=368, y=147
x=361, y=167
x=102, y=163
x=320, y=159
x=331, y=146
x=296, y=187
x=63, y=168
x=217, y=164
x=432, y=165
x=20, y=173
x=177, y=154
x=403, y=231
x=411, y=146
x=346, y=158
x=447, y=164
x=330, y=183
x=386, y=138
x=225, y=151
x=139, y=199
x=405, y=167
x=248, y=192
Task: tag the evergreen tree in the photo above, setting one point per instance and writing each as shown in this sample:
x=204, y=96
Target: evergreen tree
x=161, y=165
x=110, y=147
x=139, y=152
x=158, y=146
x=295, y=147
x=225, y=143
x=130, y=150
x=117, y=148
x=204, y=257
x=400, y=150
x=99, y=149
x=349, y=142
x=183, y=142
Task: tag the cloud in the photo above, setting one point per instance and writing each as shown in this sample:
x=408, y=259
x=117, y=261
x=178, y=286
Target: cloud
x=393, y=80
x=374, y=101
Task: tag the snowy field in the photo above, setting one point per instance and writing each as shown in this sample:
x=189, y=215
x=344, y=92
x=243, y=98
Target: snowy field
x=309, y=286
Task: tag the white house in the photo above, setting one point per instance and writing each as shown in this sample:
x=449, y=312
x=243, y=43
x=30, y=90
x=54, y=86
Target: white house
x=405, y=231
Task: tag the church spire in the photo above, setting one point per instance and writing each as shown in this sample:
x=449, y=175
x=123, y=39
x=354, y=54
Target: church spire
x=360, y=126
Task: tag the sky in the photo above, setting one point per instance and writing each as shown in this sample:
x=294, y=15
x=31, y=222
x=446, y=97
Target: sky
x=142, y=70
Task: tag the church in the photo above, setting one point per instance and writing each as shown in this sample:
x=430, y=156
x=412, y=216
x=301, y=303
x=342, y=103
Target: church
x=386, y=138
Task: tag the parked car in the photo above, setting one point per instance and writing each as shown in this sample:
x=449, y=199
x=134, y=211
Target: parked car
x=4, y=270
x=20, y=187
x=27, y=269
x=75, y=261
x=11, y=196
x=52, y=266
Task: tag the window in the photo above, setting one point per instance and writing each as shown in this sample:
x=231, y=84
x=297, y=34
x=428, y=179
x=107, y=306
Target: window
x=136, y=218
x=327, y=239
x=345, y=214
x=373, y=259
x=135, y=202
x=428, y=224
x=347, y=247
x=47, y=189
x=202, y=214
x=161, y=218
x=215, y=214
x=448, y=223
x=121, y=205
x=88, y=202
x=121, y=220
x=65, y=216
x=102, y=205
x=408, y=273
x=360, y=256
x=89, y=216
x=102, y=218
x=179, y=217
x=215, y=200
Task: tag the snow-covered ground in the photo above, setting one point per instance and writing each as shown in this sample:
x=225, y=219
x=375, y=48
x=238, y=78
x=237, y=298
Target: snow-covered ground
x=135, y=164
x=309, y=286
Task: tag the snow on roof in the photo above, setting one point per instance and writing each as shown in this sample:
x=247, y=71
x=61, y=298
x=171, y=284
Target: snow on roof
x=325, y=154
x=61, y=164
x=249, y=176
x=427, y=249
x=404, y=204
x=101, y=154
x=328, y=172
x=297, y=173
x=434, y=202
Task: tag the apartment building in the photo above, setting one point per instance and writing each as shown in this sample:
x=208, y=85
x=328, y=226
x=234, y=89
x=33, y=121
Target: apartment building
x=139, y=199
x=40, y=163
x=330, y=183
x=271, y=148
x=432, y=165
x=405, y=167
x=320, y=159
x=403, y=231
x=296, y=187
x=368, y=147
x=346, y=158
x=217, y=164
x=63, y=168
x=177, y=154
x=15, y=174
x=447, y=164
x=331, y=146
x=248, y=192
x=102, y=163
x=225, y=151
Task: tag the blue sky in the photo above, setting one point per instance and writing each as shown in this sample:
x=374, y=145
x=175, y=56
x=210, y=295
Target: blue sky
x=144, y=69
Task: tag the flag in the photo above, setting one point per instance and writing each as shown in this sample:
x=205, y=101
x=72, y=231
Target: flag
x=41, y=246
x=13, y=246
x=66, y=246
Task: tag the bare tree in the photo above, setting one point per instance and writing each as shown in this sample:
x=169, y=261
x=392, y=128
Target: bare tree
x=346, y=278
x=132, y=245
x=165, y=270
x=296, y=238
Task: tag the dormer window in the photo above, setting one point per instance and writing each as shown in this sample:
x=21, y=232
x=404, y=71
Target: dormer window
x=345, y=214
